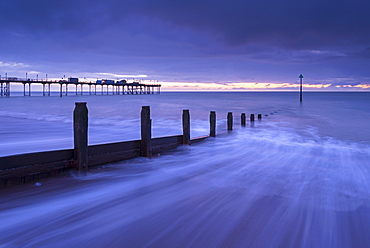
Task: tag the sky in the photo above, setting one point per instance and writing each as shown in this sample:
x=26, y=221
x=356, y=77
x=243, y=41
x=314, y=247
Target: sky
x=191, y=45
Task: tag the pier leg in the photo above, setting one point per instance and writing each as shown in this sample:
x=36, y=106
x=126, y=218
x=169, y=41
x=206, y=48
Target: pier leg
x=80, y=123
x=242, y=121
x=146, y=132
x=186, y=127
x=212, y=124
x=252, y=117
x=229, y=121
x=7, y=89
x=61, y=90
x=259, y=116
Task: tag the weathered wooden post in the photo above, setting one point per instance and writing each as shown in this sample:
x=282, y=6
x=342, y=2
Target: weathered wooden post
x=186, y=127
x=212, y=124
x=259, y=116
x=146, y=133
x=252, y=117
x=80, y=123
x=229, y=121
x=243, y=119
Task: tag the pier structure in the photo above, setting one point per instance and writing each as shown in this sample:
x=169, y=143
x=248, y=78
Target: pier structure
x=4, y=88
x=115, y=88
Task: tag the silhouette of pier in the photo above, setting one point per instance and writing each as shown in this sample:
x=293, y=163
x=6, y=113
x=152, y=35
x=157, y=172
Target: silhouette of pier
x=75, y=87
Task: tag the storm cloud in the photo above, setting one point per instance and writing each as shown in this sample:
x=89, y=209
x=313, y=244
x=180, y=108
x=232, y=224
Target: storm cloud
x=179, y=38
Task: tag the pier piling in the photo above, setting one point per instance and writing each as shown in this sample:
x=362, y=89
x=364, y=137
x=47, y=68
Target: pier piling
x=186, y=127
x=212, y=123
x=80, y=124
x=242, y=121
x=252, y=117
x=146, y=132
x=229, y=121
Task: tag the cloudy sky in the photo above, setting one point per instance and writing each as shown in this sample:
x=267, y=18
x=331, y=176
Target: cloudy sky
x=191, y=44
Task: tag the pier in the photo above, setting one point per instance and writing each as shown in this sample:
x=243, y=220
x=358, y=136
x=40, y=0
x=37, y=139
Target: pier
x=73, y=86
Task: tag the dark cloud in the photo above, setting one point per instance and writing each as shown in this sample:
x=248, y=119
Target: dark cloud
x=233, y=39
x=287, y=23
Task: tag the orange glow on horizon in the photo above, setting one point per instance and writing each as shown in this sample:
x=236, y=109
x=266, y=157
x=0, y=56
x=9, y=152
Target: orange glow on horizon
x=182, y=86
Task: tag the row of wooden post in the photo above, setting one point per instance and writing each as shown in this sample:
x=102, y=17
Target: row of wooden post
x=80, y=128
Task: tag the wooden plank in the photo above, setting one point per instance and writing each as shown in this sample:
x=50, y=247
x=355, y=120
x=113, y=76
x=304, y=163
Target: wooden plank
x=100, y=159
x=80, y=123
x=114, y=147
x=212, y=124
x=186, y=126
x=27, y=159
x=242, y=121
x=146, y=132
x=229, y=121
x=166, y=143
x=168, y=139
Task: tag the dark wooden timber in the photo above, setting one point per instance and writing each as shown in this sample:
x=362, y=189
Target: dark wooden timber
x=259, y=116
x=146, y=132
x=242, y=119
x=80, y=122
x=113, y=152
x=252, y=117
x=166, y=143
x=229, y=121
x=36, y=158
x=23, y=168
x=212, y=124
x=186, y=126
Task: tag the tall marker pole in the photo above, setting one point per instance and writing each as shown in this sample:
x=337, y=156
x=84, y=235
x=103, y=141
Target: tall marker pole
x=300, y=91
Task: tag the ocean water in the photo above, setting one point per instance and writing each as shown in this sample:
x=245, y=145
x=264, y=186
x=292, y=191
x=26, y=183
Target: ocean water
x=297, y=178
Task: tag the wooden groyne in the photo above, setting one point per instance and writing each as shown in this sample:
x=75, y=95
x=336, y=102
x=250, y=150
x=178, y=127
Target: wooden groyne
x=111, y=87
x=24, y=168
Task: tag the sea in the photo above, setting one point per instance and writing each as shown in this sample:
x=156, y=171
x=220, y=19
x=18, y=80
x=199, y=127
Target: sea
x=298, y=177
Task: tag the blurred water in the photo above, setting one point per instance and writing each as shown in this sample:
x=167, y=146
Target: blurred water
x=298, y=178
